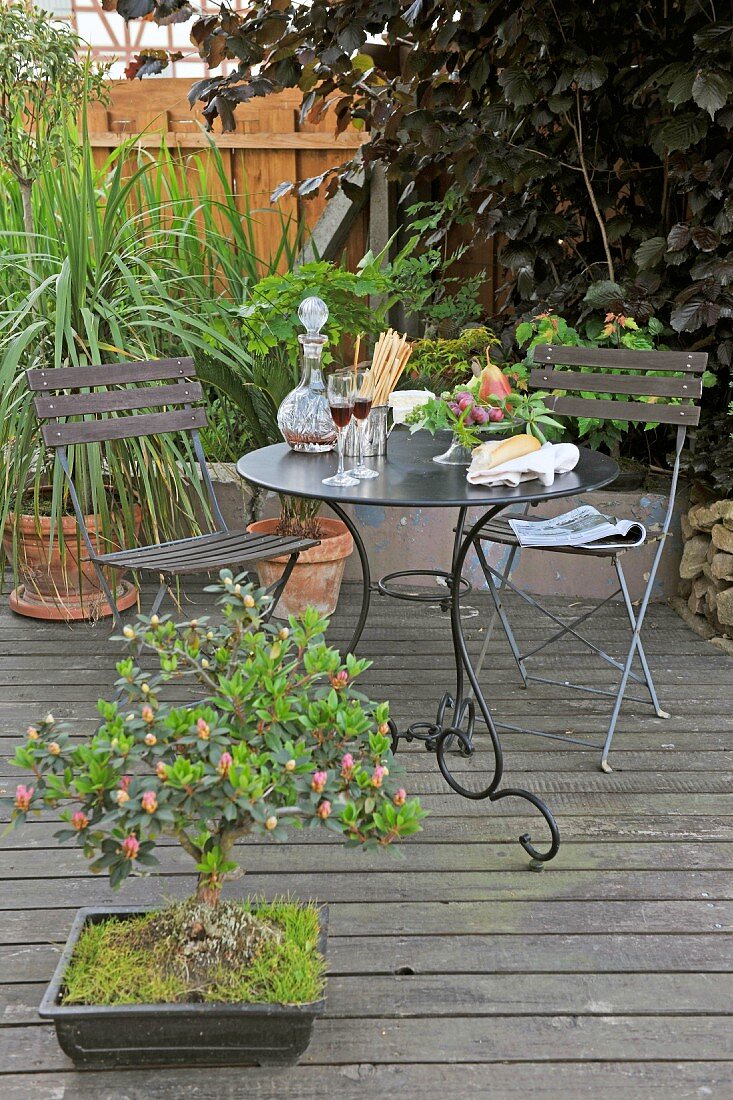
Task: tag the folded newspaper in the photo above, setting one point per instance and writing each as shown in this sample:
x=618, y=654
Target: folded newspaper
x=583, y=526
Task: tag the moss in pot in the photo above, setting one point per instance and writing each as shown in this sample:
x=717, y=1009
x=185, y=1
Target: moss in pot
x=280, y=738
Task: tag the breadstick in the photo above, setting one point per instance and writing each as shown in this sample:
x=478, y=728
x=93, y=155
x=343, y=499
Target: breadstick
x=391, y=353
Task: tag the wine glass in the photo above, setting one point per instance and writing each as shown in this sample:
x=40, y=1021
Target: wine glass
x=362, y=406
x=341, y=389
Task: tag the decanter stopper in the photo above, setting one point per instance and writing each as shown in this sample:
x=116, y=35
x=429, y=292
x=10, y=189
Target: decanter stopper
x=313, y=314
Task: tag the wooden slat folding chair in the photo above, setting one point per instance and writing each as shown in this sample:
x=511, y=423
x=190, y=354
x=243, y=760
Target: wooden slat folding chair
x=616, y=372
x=86, y=405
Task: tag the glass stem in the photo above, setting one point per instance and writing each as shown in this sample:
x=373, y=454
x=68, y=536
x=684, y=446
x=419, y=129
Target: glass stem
x=341, y=435
x=360, y=442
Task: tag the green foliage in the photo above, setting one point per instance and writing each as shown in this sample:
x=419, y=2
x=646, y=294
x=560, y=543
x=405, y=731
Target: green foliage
x=271, y=313
x=435, y=364
x=45, y=80
x=142, y=959
x=613, y=332
x=277, y=736
x=416, y=279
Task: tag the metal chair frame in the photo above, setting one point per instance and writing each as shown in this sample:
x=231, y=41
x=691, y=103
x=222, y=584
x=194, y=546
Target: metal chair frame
x=59, y=431
x=689, y=388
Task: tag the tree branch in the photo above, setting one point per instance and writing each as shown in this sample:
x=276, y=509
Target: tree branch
x=578, y=134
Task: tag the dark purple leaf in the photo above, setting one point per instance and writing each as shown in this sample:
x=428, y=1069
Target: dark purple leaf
x=134, y=9
x=679, y=237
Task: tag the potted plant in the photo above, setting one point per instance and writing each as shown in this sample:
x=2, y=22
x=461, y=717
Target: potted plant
x=278, y=736
x=60, y=250
x=84, y=282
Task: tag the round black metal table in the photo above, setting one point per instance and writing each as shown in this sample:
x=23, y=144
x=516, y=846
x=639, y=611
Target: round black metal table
x=409, y=478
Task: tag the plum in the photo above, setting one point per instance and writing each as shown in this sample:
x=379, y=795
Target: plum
x=495, y=414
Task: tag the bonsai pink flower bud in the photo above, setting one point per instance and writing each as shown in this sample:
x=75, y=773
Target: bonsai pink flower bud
x=383, y=728
x=378, y=775
x=49, y=719
x=248, y=600
x=79, y=820
x=161, y=771
x=290, y=765
x=121, y=797
x=130, y=847
x=125, y=782
x=495, y=414
x=319, y=781
x=400, y=797
x=340, y=679
x=271, y=823
x=225, y=762
x=32, y=733
x=54, y=748
x=149, y=802
x=147, y=714
x=203, y=729
x=150, y=739
x=480, y=414
x=324, y=810
x=23, y=796
x=283, y=634
x=347, y=765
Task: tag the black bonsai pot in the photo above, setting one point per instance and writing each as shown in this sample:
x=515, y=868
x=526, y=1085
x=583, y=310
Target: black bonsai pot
x=105, y=1036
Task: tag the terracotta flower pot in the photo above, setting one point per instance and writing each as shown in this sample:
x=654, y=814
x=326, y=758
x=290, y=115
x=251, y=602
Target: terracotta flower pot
x=316, y=578
x=52, y=587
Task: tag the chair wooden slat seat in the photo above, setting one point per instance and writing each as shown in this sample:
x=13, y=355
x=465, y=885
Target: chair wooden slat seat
x=200, y=554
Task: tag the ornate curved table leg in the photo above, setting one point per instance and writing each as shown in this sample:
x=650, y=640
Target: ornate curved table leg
x=464, y=711
x=366, y=577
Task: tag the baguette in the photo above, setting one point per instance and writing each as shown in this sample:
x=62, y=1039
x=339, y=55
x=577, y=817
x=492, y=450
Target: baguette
x=497, y=452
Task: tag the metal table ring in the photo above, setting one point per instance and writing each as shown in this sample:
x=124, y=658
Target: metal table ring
x=430, y=595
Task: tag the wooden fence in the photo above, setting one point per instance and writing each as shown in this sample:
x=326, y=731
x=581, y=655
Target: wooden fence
x=270, y=145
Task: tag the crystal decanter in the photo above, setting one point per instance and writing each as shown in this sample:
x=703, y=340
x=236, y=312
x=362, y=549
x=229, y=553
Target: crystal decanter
x=304, y=417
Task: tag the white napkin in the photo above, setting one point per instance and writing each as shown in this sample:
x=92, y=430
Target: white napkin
x=544, y=464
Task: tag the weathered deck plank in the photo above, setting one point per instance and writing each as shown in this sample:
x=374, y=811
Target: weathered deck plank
x=452, y=969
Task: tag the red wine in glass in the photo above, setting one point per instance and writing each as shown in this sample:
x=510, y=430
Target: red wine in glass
x=362, y=406
x=341, y=414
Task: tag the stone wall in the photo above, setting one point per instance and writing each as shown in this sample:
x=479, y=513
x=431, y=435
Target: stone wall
x=706, y=566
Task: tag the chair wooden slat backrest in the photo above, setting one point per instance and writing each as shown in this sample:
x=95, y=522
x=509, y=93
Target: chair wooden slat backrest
x=685, y=390
x=60, y=402
x=95, y=404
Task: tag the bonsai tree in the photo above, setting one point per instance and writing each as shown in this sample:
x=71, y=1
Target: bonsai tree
x=278, y=738
x=45, y=80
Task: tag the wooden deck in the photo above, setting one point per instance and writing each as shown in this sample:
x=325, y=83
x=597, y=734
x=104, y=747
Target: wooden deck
x=455, y=971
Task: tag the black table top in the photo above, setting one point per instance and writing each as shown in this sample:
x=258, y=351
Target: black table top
x=408, y=477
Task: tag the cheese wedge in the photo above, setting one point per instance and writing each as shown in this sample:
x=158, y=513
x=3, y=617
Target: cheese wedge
x=497, y=452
